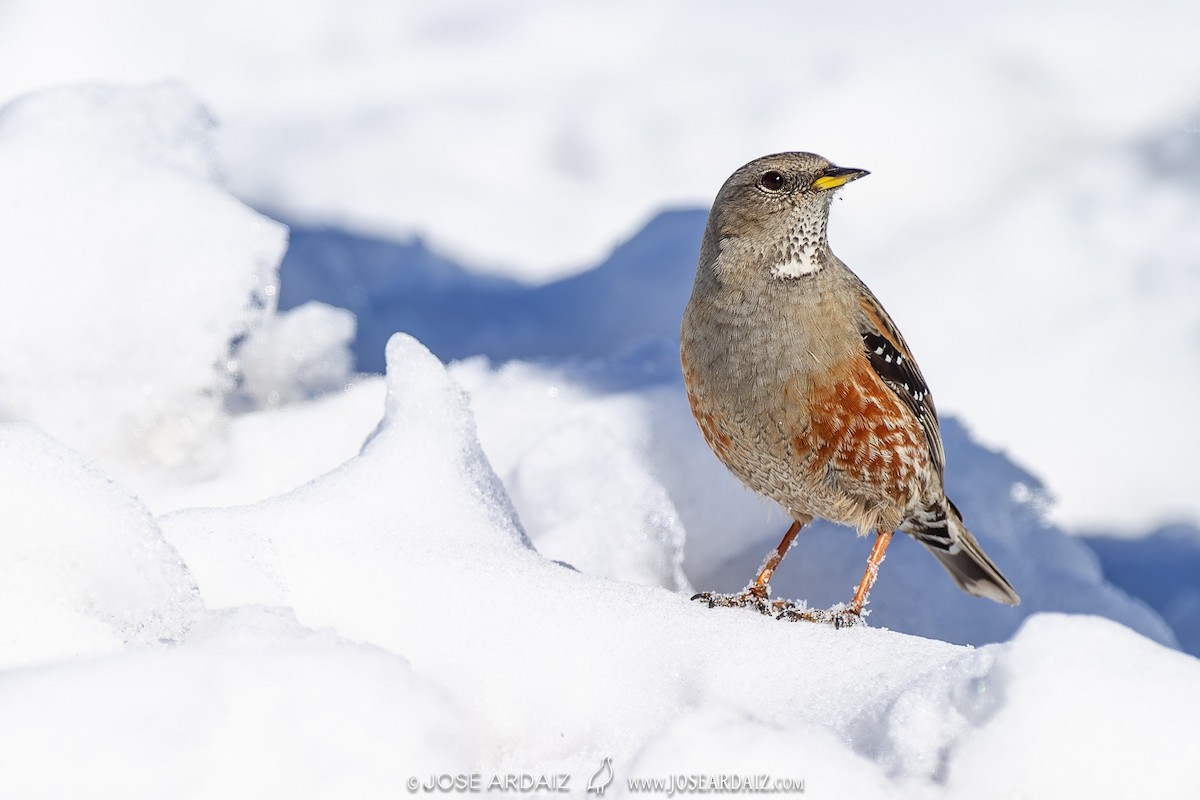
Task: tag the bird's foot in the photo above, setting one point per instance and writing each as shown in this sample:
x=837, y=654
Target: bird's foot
x=751, y=597
x=840, y=616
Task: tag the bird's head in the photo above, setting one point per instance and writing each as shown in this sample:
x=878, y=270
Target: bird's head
x=771, y=217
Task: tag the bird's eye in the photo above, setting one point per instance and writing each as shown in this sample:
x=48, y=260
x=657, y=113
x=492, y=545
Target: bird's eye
x=771, y=181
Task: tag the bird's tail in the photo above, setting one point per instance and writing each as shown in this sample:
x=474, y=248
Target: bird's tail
x=953, y=545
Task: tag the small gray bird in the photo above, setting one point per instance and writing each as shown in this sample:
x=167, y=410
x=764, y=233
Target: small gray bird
x=804, y=388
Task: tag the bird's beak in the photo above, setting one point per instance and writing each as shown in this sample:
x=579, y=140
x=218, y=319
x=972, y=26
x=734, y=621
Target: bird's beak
x=834, y=177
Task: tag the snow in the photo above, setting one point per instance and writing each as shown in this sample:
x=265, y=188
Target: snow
x=83, y=565
x=407, y=569
x=297, y=355
x=255, y=705
x=107, y=189
x=232, y=567
x=412, y=550
x=1021, y=722
x=1018, y=720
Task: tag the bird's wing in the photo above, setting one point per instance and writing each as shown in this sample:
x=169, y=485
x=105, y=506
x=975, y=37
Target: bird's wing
x=892, y=361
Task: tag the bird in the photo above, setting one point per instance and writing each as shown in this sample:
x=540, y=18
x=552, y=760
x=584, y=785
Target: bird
x=803, y=387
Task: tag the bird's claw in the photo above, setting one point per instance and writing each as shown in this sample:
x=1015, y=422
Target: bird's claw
x=840, y=616
x=744, y=599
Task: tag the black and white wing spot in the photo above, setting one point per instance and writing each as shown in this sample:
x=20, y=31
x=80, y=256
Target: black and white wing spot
x=890, y=359
x=900, y=373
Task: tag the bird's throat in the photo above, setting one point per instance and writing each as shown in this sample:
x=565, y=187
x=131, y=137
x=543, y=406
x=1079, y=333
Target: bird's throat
x=797, y=266
x=805, y=248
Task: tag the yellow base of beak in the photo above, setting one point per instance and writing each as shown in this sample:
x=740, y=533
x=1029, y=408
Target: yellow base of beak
x=837, y=176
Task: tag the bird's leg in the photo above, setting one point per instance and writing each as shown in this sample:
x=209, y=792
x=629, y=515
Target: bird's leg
x=871, y=573
x=761, y=586
x=755, y=594
x=851, y=615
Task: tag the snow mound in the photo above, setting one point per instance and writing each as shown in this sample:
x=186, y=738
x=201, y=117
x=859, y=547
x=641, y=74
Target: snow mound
x=1053, y=683
x=127, y=271
x=254, y=706
x=438, y=493
x=412, y=547
x=83, y=567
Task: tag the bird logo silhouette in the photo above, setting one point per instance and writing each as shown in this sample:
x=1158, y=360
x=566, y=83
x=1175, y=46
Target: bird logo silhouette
x=603, y=777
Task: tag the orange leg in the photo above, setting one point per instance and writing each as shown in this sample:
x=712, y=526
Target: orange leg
x=759, y=587
x=755, y=595
x=871, y=573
